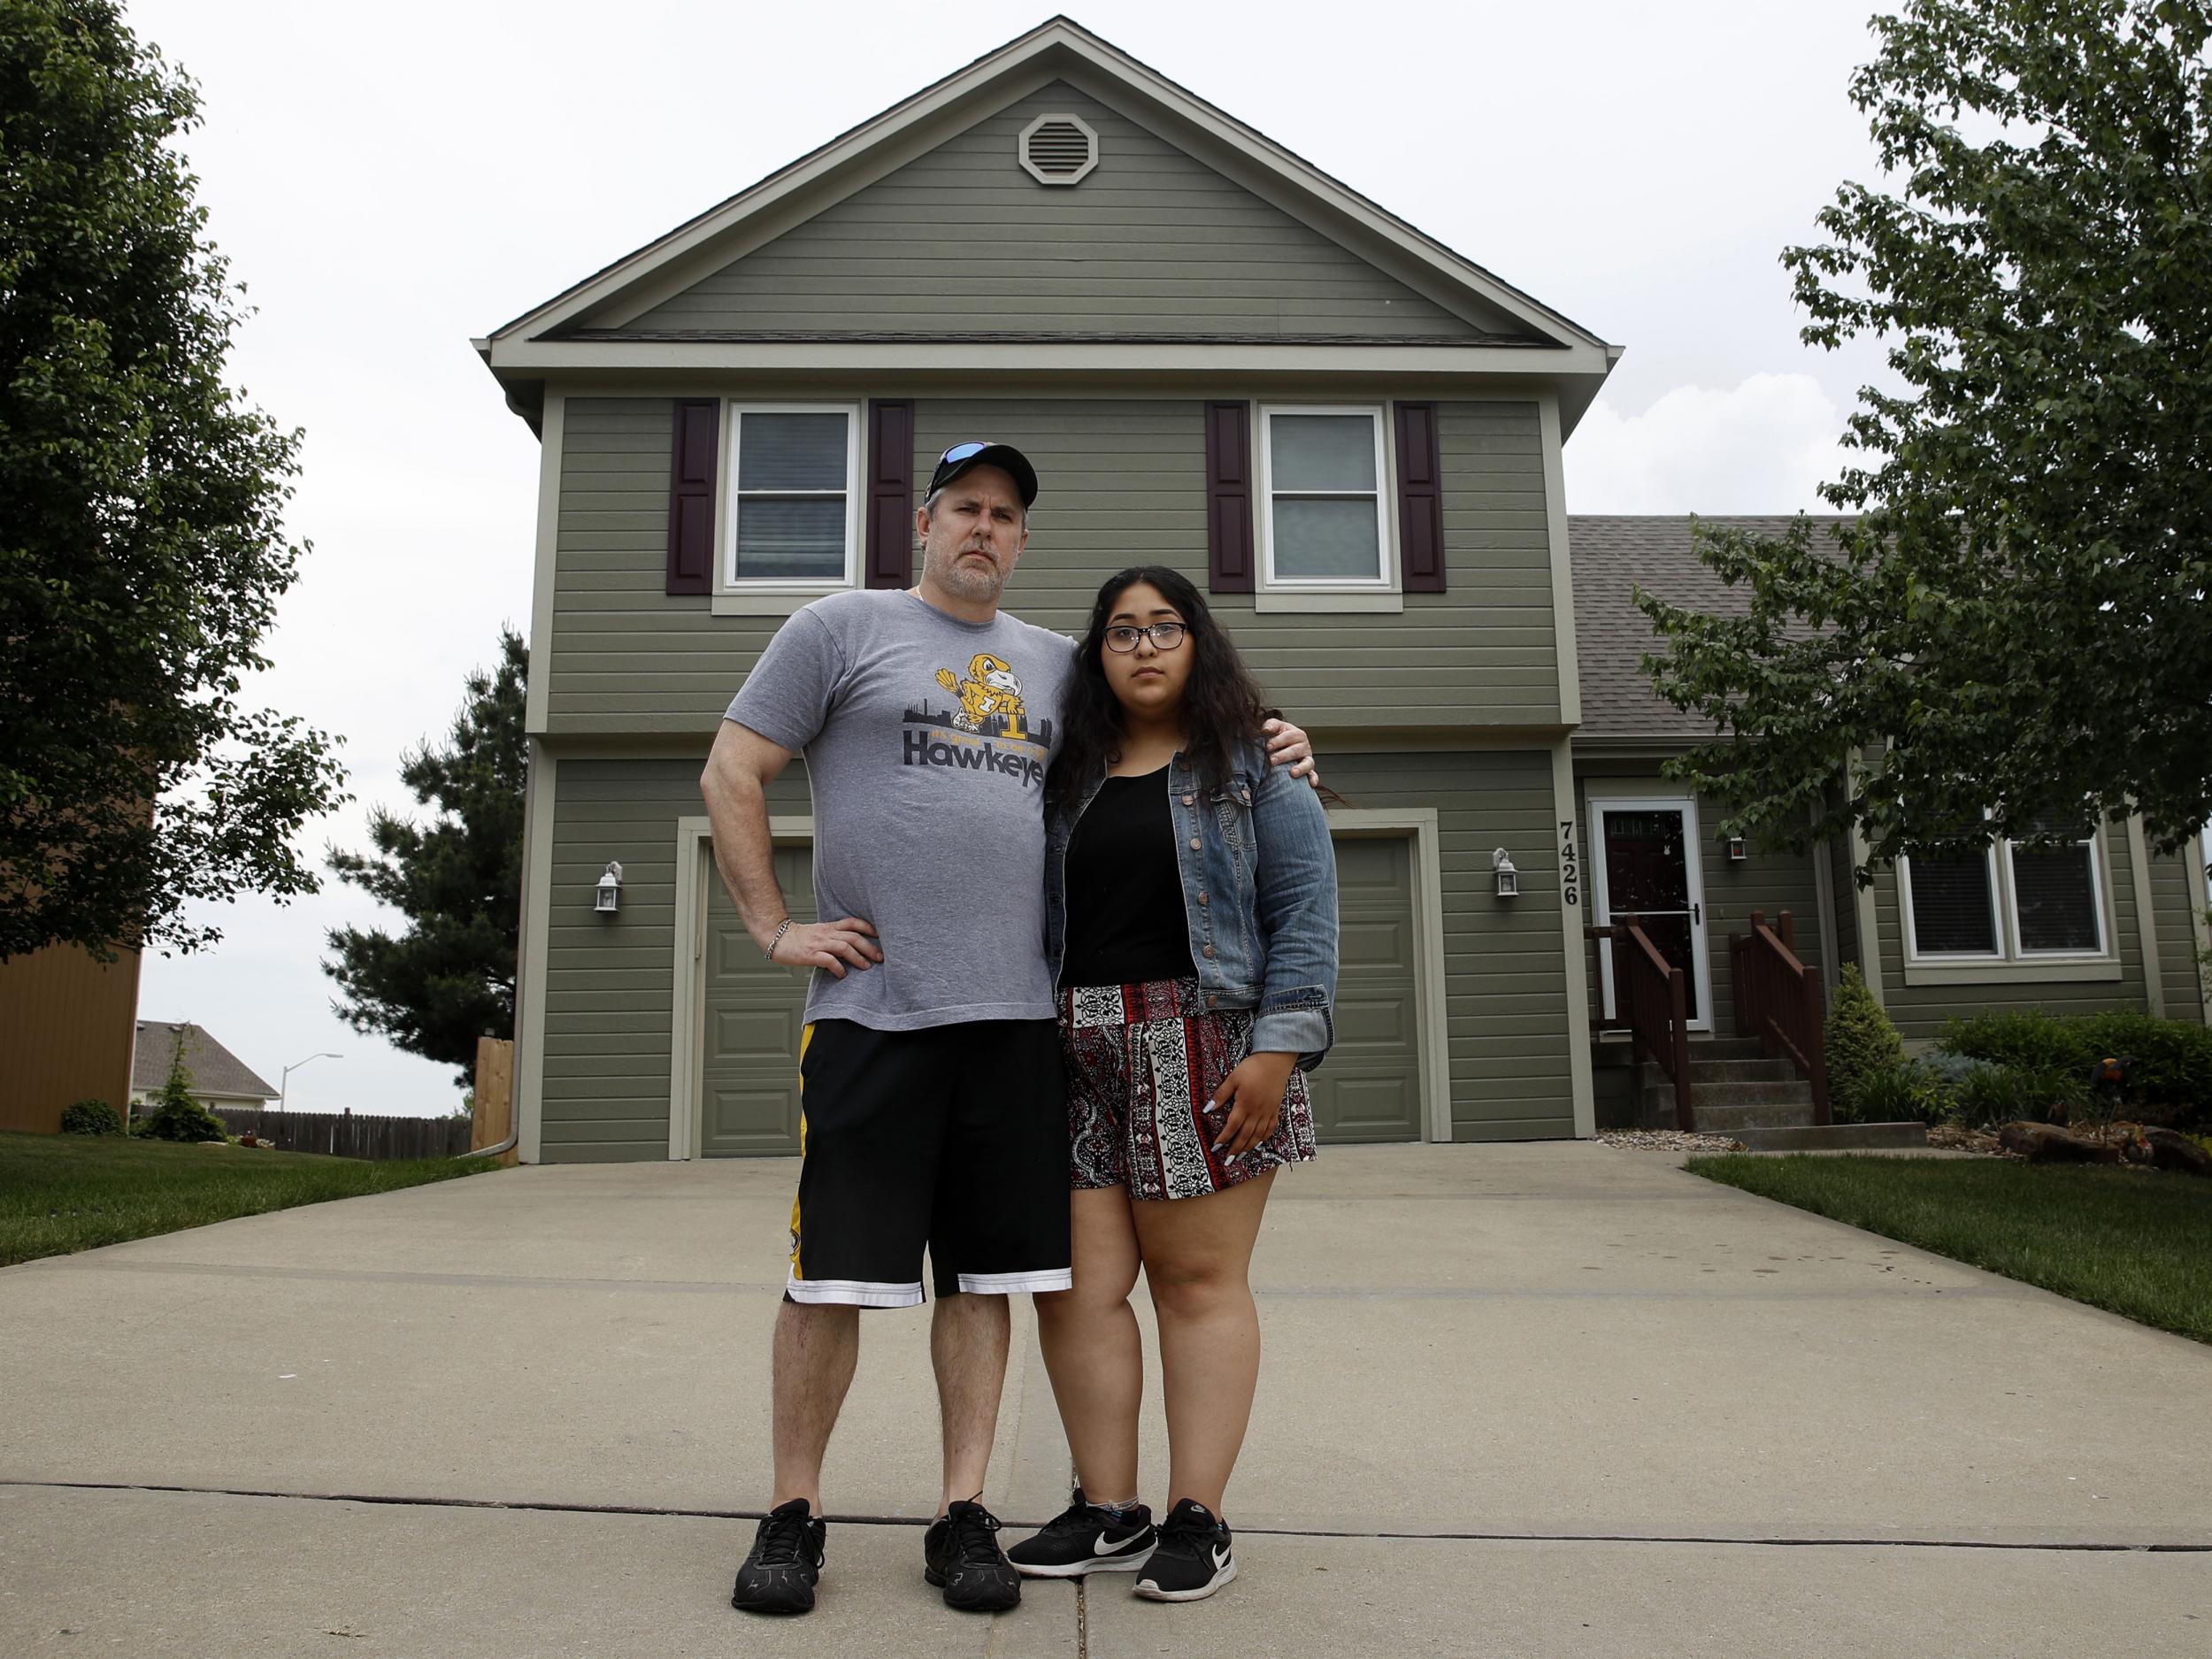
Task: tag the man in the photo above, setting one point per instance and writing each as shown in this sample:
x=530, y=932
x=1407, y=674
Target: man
x=930, y=1068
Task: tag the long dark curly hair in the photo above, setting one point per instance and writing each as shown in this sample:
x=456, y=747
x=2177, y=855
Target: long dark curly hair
x=1222, y=702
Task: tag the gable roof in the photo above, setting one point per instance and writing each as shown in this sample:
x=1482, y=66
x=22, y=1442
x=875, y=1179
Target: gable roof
x=545, y=337
x=1614, y=555
x=215, y=1070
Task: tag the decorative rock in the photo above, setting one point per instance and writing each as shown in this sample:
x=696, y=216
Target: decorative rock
x=2171, y=1150
x=2046, y=1143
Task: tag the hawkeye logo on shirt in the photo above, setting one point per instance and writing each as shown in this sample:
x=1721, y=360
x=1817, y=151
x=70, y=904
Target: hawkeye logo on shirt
x=986, y=732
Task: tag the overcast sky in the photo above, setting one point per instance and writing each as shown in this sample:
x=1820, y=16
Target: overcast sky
x=389, y=181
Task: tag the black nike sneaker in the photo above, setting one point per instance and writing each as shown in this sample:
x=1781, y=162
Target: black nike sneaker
x=961, y=1557
x=778, y=1575
x=1084, y=1539
x=1192, y=1559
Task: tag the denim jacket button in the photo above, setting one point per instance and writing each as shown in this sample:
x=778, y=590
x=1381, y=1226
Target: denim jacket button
x=1202, y=898
x=1189, y=800
x=1213, y=1001
x=1194, y=843
x=1205, y=950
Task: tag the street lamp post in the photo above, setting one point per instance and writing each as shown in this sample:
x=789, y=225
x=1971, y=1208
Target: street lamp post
x=284, y=1083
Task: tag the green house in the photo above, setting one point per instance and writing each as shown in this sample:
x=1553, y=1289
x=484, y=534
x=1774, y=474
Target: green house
x=1219, y=358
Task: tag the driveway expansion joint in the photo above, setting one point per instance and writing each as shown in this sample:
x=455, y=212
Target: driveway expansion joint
x=1767, y=1540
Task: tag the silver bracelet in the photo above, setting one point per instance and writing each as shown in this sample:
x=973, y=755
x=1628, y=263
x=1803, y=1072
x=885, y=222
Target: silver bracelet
x=783, y=928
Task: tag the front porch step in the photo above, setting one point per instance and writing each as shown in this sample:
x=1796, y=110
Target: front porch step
x=1705, y=1072
x=1745, y=1118
x=1726, y=1048
x=1779, y=1092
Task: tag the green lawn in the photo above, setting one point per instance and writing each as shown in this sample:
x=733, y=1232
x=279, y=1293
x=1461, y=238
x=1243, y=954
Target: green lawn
x=2137, y=1242
x=64, y=1193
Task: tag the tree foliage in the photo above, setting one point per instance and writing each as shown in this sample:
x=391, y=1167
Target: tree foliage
x=141, y=550
x=2017, y=618
x=174, y=1113
x=449, y=977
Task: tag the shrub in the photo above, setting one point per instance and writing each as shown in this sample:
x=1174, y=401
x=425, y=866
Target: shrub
x=2002, y=1094
x=91, y=1117
x=1902, y=1094
x=175, y=1115
x=1863, y=1045
x=2170, y=1082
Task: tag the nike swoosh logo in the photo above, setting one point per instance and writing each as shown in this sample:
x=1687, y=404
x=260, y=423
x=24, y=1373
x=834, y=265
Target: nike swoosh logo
x=1221, y=1558
x=1106, y=1547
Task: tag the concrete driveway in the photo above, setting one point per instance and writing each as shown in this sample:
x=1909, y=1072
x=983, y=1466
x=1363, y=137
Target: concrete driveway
x=1522, y=1400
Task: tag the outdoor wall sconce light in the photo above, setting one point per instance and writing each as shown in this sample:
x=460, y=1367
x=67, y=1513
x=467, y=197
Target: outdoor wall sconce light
x=1509, y=879
x=1735, y=850
x=610, y=891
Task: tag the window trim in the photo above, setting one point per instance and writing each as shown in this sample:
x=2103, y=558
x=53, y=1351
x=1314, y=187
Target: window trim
x=728, y=584
x=2010, y=959
x=1385, y=495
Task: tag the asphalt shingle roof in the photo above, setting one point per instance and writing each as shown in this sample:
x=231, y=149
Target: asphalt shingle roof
x=215, y=1070
x=1612, y=557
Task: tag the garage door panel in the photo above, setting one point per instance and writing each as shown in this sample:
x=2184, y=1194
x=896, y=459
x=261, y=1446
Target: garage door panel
x=1370, y=1087
x=754, y=1015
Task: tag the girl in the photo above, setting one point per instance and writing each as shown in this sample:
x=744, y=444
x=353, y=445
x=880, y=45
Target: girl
x=1191, y=921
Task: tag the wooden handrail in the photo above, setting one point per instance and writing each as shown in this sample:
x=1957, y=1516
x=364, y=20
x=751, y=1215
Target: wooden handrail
x=1778, y=1001
x=1651, y=1000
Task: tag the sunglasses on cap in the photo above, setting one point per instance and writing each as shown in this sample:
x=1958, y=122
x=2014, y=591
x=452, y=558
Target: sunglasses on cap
x=962, y=457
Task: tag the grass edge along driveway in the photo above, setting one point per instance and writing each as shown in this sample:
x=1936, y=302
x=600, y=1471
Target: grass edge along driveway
x=61, y=1194
x=2135, y=1243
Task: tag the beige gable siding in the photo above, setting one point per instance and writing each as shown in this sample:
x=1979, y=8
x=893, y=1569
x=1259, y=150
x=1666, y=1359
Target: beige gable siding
x=609, y=979
x=1124, y=482
x=1919, y=1011
x=1506, y=986
x=964, y=240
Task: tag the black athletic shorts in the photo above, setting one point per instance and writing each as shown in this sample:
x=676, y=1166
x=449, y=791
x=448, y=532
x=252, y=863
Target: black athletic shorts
x=953, y=1137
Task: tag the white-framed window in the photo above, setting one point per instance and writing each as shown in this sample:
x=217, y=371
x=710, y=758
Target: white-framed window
x=792, y=521
x=1324, y=524
x=2003, y=903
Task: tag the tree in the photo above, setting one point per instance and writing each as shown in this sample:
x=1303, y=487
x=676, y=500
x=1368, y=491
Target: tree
x=141, y=550
x=2017, y=619
x=174, y=1113
x=449, y=979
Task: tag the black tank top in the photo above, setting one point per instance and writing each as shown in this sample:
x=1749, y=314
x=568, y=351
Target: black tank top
x=1125, y=920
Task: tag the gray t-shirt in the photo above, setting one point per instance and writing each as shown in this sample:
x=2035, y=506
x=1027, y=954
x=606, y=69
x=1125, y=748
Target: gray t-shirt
x=926, y=741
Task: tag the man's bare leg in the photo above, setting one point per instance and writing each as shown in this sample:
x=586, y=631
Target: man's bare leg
x=816, y=1346
x=968, y=1340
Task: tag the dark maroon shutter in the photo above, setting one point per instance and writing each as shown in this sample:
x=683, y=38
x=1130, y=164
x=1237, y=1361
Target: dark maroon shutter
x=691, y=496
x=890, y=552
x=1420, y=500
x=1229, y=498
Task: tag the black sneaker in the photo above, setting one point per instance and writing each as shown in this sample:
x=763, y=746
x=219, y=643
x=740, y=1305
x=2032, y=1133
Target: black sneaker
x=778, y=1576
x=960, y=1554
x=1192, y=1559
x=1086, y=1539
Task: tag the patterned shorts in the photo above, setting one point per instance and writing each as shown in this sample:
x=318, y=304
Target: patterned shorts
x=1143, y=1063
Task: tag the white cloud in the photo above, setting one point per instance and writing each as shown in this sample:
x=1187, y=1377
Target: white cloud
x=1764, y=446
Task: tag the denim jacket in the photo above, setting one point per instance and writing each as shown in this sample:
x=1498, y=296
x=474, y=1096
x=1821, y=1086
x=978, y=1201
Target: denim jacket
x=1259, y=895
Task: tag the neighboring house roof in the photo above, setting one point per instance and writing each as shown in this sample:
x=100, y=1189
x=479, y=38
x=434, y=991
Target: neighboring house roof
x=576, y=328
x=1615, y=555
x=215, y=1070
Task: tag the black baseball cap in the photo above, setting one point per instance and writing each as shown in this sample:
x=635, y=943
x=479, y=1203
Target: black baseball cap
x=961, y=456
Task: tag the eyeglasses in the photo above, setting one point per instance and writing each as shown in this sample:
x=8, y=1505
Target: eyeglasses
x=1166, y=636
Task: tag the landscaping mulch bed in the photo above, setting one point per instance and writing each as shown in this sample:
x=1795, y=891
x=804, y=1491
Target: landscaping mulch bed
x=60, y=1193
x=1668, y=1141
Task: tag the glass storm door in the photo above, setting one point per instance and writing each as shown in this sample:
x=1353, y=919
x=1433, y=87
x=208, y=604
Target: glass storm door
x=1647, y=868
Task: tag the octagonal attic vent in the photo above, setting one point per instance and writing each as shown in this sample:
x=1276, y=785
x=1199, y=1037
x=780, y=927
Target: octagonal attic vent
x=1058, y=148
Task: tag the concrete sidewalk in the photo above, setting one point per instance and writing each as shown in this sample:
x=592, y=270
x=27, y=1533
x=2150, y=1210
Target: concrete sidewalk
x=1527, y=1400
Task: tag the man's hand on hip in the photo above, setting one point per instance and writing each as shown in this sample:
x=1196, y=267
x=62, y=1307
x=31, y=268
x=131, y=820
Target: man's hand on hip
x=831, y=945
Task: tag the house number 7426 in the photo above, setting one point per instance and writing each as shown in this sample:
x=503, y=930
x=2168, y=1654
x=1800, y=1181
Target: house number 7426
x=1570, y=885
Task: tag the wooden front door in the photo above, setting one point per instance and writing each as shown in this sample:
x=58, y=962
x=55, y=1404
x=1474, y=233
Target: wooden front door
x=1647, y=868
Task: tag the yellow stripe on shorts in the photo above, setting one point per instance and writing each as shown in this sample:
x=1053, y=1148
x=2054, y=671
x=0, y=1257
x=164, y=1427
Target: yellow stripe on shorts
x=806, y=1036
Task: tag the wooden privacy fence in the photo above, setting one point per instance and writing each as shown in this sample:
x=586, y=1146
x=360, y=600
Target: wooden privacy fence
x=346, y=1135
x=494, y=1096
